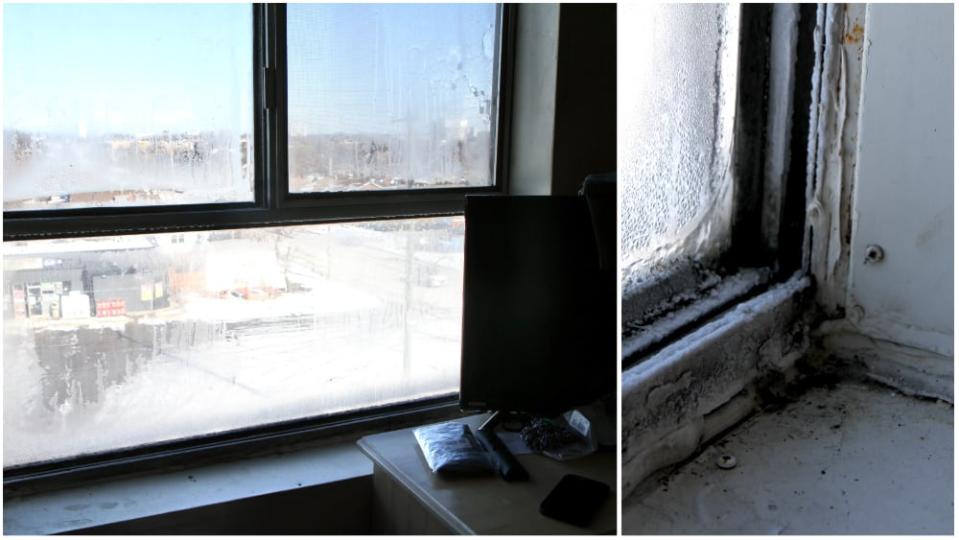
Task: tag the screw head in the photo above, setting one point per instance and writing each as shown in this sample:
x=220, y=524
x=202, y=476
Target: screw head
x=726, y=461
x=874, y=254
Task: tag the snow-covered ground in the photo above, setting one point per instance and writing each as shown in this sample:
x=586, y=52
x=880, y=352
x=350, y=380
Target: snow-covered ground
x=231, y=385
x=247, y=380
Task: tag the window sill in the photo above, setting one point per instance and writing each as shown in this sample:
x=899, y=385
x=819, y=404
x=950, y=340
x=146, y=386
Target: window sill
x=664, y=308
x=123, y=500
x=697, y=387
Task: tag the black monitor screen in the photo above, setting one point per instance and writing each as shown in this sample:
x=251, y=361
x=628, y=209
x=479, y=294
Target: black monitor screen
x=539, y=313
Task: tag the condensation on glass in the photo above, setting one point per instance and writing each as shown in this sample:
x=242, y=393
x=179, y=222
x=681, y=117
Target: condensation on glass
x=126, y=105
x=121, y=341
x=677, y=69
x=391, y=96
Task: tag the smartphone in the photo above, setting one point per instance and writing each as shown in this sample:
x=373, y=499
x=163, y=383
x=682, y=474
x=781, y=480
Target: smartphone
x=575, y=500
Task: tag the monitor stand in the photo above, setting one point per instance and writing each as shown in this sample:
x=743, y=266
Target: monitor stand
x=506, y=463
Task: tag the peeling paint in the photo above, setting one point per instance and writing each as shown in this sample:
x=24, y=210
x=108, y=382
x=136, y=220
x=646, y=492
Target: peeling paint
x=855, y=33
x=667, y=397
x=660, y=393
x=910, y=370
x=831, y=189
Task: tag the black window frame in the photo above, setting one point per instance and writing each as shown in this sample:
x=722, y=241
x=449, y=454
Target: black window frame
x=273, y=206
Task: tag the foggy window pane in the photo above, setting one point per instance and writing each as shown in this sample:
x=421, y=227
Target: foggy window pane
x=121, y=105
x=677, y=103
x=122, y=341
x=390, y=96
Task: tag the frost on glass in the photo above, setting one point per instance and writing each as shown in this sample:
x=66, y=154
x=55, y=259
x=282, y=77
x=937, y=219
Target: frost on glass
x=677, y=69
x=116, y=342
x=390, y=96
x=119, y=105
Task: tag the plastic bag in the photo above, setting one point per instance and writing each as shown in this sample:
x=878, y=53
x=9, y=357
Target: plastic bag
x=563, y=438
x=586, y=444
x=452, y=448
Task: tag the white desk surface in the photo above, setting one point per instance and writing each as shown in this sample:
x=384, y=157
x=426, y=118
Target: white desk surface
x=489, y=504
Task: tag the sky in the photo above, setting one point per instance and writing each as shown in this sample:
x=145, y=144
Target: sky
x=91, y=69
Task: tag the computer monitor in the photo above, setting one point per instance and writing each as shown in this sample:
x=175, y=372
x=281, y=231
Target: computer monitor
x=539, y=308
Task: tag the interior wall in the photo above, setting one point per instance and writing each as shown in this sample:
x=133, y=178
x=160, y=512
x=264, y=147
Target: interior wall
x=903, y=195
x=564, y=97
x=534, y=99
x=584, y=139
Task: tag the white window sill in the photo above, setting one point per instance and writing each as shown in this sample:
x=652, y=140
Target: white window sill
x=126, y=499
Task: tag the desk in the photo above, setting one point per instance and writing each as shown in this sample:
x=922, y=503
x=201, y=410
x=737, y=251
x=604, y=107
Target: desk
x=410, y=499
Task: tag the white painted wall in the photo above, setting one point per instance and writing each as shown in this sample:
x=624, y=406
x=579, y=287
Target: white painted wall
x=903, y=195
x=534, y=99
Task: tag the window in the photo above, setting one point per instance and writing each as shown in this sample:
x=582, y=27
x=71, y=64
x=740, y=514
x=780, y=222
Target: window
x=709, y=120
x=127, y=105
x=223, y=217
x=208, y=331
x=403, y=97
x=678, y=106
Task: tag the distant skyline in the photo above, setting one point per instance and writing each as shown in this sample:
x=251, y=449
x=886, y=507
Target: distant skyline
x=93, y=69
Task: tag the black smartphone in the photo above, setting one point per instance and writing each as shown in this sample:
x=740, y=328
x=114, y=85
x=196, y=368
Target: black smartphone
x=575, y=500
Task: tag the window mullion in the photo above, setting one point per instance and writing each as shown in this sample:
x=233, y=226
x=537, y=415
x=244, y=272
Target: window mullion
x=280, y=179
x=267, y=38
x=503, y=86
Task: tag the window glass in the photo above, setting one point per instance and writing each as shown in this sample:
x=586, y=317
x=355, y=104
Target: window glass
x=677, y=73
x=390, y=96
x=126, y=105
x=121, y=341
